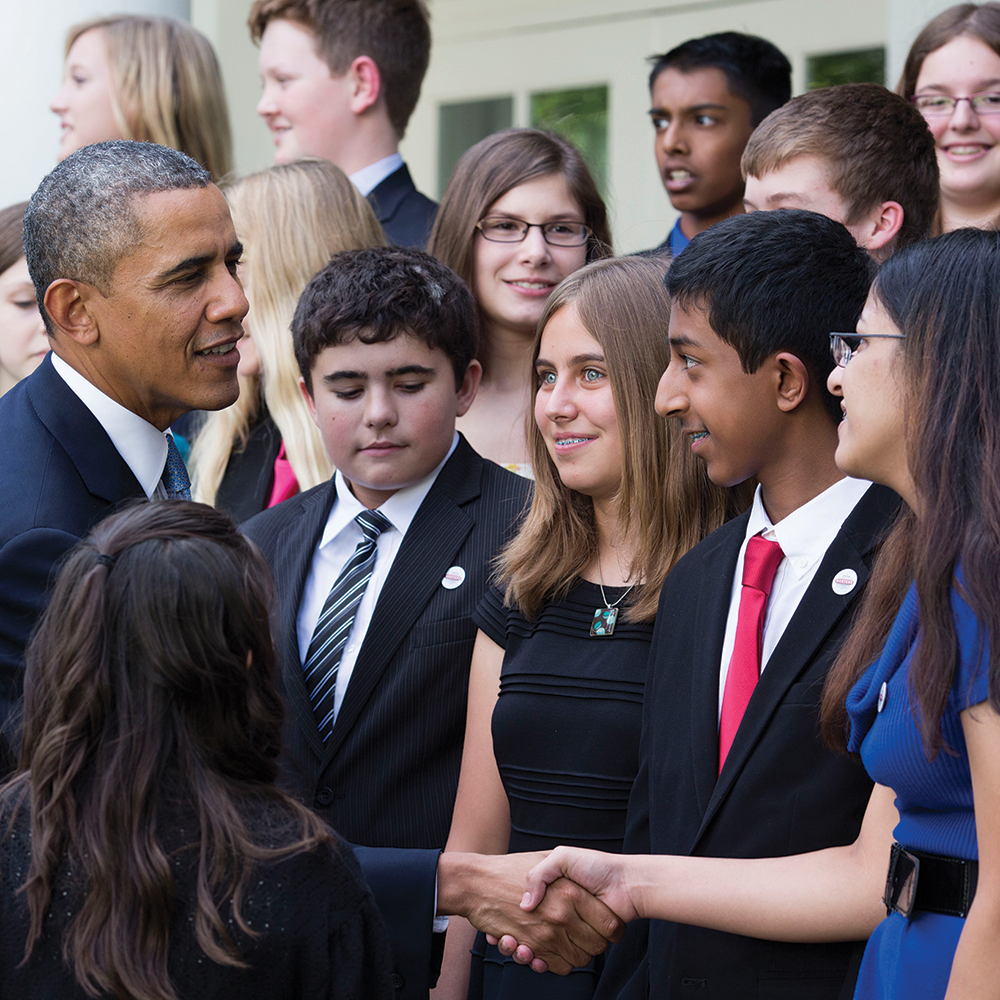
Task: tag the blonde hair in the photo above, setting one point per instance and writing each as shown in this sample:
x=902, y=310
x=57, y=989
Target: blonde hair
x=291, y=220
x=167, y=86
x=666, y=501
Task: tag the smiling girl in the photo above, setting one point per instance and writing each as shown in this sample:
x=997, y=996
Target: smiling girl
x=520, y=213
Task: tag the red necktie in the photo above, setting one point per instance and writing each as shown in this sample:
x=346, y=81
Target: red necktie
x=759, y=566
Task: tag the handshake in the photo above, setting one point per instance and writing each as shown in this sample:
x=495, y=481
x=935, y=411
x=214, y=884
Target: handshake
x=552, y=910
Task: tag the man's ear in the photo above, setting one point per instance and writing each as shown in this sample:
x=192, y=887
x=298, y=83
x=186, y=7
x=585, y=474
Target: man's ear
x=366, y=84
x=792, y=380
x=68, y=304
x=308, y=397
x=881, y=225
x=469, y=387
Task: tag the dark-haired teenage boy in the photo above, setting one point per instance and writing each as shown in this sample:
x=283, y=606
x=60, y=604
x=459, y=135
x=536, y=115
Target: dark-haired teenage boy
x=707, y=95
x=857, y=153
x=341, y=79
x=377, y=573
x=754, y=302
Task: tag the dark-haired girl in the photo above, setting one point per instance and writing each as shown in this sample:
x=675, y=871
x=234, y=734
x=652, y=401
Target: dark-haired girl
x=145, y=851
x=920, y=383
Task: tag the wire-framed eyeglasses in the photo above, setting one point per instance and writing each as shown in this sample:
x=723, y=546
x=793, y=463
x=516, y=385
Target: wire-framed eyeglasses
x=941, y=105
x=844, y=345
x=557, y=234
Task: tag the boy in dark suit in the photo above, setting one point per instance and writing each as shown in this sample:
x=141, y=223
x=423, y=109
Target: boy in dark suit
x=731, y=762
x=341, y=79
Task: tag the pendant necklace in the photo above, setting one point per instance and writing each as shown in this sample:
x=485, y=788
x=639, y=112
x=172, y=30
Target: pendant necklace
x=606, y=618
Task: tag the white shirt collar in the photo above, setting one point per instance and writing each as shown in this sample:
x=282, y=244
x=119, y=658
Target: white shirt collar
x=140, y=444
x=806, y=533
x=400, y=508
x=368, y=178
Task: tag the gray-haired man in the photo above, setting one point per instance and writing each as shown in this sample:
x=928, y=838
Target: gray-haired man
x=133, y=255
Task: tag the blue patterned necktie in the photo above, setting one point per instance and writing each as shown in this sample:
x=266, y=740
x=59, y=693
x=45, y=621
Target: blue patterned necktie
x=175, y=474
x=335, y=620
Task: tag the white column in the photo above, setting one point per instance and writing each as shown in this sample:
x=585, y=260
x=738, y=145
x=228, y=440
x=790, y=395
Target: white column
x=31, y=57
x=906, y=18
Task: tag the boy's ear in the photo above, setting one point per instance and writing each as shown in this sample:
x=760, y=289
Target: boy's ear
x=469, y=387
x=881, y=226
x=366, y=83
x=792, y=380
x=308, y=397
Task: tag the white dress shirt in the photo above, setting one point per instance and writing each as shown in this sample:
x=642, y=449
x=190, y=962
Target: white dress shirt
x=142, y=446
x=804, y=536
x=368, y=178
x=336, y=546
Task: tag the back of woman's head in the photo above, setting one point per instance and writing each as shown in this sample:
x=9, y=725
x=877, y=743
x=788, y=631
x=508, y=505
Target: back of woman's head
x=491, y=168
x=150, y=705
x=167, y=86
x=11, y=243
x=155, y=654
x=665, y=501
x=980, y=21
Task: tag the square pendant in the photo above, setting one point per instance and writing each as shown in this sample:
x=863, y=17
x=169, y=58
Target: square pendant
x=604, y=621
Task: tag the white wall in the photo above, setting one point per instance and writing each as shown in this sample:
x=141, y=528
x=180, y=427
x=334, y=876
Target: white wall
x=31, y=57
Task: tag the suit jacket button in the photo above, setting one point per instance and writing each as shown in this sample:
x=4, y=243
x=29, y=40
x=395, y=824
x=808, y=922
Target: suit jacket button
x=397, y=981
x=324, y=797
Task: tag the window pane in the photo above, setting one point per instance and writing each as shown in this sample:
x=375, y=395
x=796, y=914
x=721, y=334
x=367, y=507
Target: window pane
x=582, y=117
x=859, y=66
x=463, y=125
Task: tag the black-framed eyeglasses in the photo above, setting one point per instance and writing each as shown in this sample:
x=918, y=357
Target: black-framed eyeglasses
x=843, y=345
x=935, y=105
x=556, y=234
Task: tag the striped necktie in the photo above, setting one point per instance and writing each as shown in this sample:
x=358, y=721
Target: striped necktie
x=335, y=620
x=175, y=475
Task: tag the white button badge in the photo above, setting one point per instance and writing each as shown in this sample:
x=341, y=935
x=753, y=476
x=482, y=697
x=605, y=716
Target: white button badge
x=455, y=577
x=845, y=581
x=882, y=692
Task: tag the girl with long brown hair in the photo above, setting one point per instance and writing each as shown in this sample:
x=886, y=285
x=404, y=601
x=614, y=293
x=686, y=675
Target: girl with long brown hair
x=145, y=851
x=520, y=213
x=564, y=637
x=921, y=396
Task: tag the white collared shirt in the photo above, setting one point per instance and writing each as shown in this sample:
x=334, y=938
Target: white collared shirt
x=336, y=546
x=368, y=178
x=804, y=536
x=141, y=445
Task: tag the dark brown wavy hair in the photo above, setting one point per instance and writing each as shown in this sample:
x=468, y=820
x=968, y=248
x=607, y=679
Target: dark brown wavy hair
x=150, y=683
x=944, y=296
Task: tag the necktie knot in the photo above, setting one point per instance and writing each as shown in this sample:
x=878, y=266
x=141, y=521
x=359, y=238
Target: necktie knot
x=175, y=475
x=372, y=523
x=760, y=563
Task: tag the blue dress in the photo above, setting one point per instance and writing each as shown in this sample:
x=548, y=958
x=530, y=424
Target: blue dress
x=566, y=740
x=912, y=958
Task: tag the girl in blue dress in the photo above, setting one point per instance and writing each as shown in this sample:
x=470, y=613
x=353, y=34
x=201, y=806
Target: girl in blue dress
x=920, y=383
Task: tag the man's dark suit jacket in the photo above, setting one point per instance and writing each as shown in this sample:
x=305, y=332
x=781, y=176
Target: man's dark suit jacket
x=781, y=791
x=59, y=475
x=388, y=774
x=406, y=215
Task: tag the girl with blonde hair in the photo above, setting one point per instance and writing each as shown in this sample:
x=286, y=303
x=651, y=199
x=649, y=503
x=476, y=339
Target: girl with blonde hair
x=153, y=79
x=555, y=692
x=265, y=447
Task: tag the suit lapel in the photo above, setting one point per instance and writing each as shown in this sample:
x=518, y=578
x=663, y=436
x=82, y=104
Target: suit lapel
x=429, y=548
x=710, y=620
x=291, y=570
x=818, y=613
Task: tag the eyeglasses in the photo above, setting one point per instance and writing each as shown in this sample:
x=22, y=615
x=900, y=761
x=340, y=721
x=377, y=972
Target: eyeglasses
x=941, y=105
x=556, y=234
x=844, y=345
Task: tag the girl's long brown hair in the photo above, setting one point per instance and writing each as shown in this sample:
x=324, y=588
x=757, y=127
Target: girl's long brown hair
x=149, y=684
x=666, y=501
x=944, y=296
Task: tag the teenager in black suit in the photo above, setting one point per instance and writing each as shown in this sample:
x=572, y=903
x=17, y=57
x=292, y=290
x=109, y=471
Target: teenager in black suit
x=341, y=79
x=133, y=255
x=754, y=301
x=385, y=341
